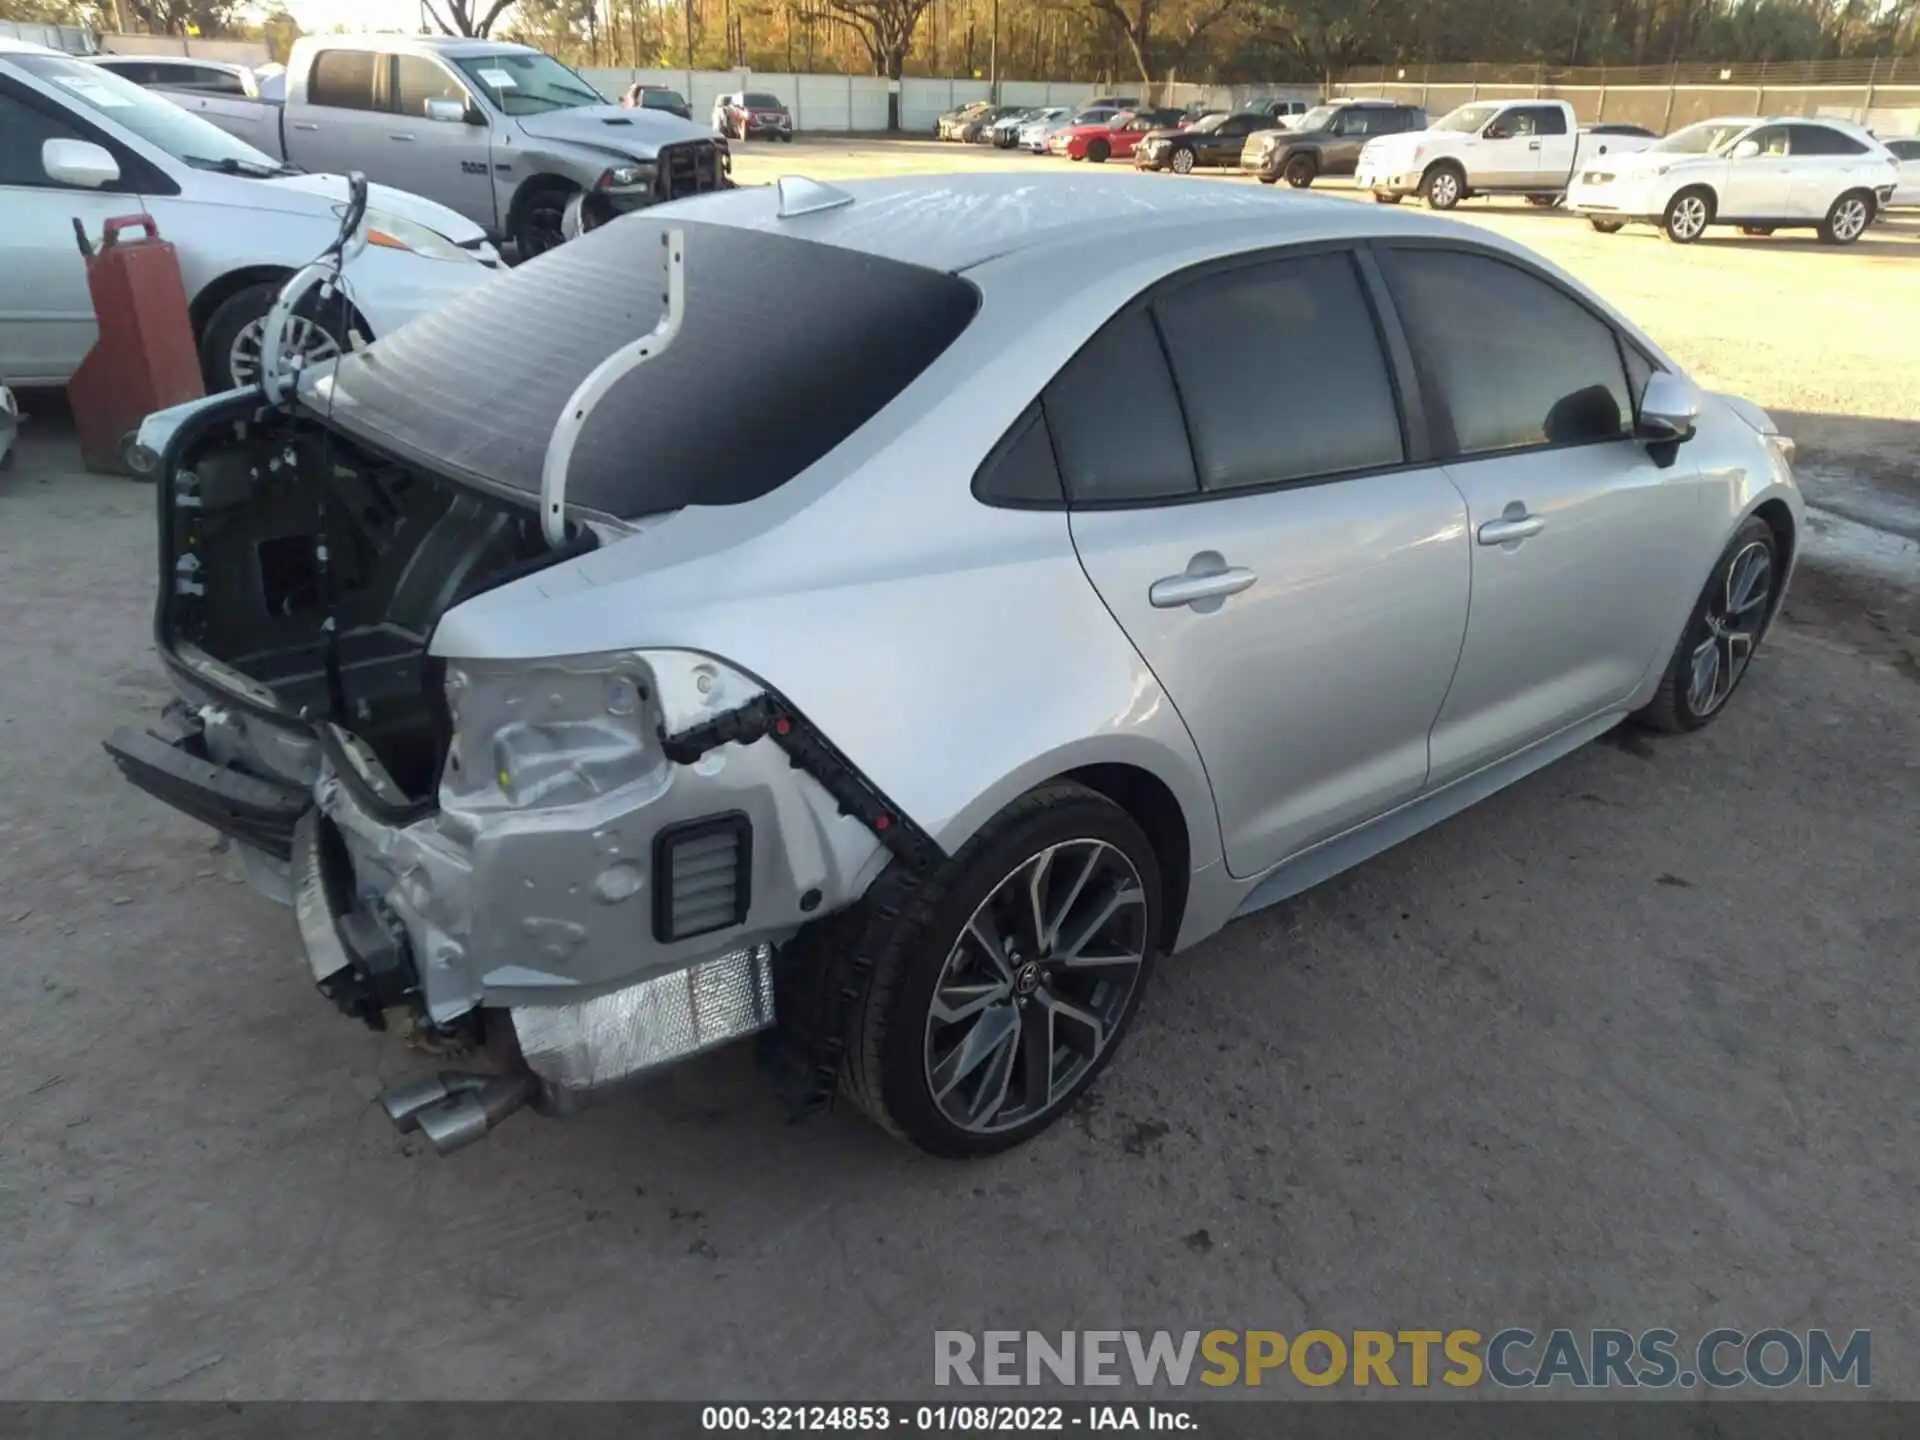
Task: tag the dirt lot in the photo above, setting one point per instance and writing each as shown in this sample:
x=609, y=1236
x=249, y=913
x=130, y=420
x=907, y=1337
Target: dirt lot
x=1629, y=1045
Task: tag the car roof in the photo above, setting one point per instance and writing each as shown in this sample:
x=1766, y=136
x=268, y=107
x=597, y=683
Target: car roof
x=10, y=46
x=232, y=67
x=955, y=221
x=454, y=45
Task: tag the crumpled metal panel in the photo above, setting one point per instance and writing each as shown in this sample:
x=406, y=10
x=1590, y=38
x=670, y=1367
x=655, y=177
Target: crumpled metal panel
x=650, y=1025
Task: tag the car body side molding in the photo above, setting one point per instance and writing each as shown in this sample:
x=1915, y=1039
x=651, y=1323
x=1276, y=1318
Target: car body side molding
x=1343, y=852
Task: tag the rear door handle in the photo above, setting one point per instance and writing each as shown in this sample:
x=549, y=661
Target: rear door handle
x=1172, y=591
x=1510, y=528
x=303, y=125
x=1533, y=145
x=399, y=137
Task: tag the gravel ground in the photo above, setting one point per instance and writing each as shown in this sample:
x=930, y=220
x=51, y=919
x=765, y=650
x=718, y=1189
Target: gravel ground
x=1628, y=1045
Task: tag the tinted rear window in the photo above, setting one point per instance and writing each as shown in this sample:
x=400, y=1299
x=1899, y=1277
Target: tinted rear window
x=785, y=349
x=763, y=102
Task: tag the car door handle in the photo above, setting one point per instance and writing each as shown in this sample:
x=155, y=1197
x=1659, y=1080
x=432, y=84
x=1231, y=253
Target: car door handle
x=1533, y=145
x=303, y=125
x=1509, y=528
x=1172, y=591
x=399, y=137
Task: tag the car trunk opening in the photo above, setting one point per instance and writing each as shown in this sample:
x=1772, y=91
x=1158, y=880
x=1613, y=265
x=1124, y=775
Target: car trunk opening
x=315, y=569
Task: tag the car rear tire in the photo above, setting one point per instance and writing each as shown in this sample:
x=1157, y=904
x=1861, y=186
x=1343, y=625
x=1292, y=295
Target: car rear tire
x=230, y=341
x=1269, y=179
x=1300, y=171
x=1756, y=230
x=1606, y=227
x=1380, y=197
x=1687, y=216
x=1727, y=624
x=1098, y=152
x=975, y=1028
x=1847, y=218
x=786, y=137
x=1181, y=162
x=1443, y=187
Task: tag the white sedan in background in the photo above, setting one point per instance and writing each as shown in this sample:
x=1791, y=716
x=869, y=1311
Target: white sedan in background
x=78, y=142
x=1762, y=175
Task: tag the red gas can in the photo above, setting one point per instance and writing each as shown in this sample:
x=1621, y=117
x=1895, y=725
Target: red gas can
x=144, y=359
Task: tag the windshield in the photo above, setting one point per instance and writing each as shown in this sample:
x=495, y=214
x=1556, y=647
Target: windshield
x=1318, y=118
x=529, y=84
x=659, y=99
x=1705, y=138
x=763, y=102
x=156, y=120
x=1467, y=118
x=1207, y=124
x=1093, y=117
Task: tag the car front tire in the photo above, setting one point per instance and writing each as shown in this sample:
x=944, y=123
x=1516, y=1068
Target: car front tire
x=1098, y=152
x=1724, y=630
x=1443, y=187
x=230, y=342
x=1606, y=227
x=1687, y=216
x=541, y=223
x=999, y=986
x=1300, y=171
x=1182, y=161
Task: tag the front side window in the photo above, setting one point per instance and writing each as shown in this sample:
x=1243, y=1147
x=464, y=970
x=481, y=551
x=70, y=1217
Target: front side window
x=1772, y=140
x=1515, y=360
x=24, y=128
x=418, y=80
x=528, y=84
x=1116, y=421
x=1282, y=373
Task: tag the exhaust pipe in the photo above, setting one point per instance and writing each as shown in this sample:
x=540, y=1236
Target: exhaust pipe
x=455, y=1108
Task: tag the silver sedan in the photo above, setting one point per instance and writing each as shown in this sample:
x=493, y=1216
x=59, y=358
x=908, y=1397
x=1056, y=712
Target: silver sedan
x=1065, y=568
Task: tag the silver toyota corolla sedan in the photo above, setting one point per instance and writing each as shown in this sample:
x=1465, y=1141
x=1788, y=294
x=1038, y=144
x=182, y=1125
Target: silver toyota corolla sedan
x=882, y=618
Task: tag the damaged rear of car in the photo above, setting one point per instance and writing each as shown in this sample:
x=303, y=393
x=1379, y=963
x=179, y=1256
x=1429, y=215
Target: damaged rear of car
x=569, y=851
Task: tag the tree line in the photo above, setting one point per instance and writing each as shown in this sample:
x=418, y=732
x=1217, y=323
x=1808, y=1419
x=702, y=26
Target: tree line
x=1120, y=41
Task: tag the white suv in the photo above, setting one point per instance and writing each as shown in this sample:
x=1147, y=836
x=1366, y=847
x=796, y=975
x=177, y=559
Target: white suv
x=1759, y=174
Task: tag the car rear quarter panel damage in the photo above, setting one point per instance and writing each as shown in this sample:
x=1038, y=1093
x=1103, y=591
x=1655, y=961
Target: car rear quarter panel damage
x=889, y=607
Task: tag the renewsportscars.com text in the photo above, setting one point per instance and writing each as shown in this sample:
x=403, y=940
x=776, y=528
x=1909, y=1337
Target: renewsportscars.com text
x=1512, y=1358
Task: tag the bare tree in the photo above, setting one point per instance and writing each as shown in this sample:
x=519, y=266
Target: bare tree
x=472, y=18
x=1135, y=23
x=885, y=28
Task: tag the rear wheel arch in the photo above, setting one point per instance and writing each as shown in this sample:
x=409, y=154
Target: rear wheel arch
x=1156, y=810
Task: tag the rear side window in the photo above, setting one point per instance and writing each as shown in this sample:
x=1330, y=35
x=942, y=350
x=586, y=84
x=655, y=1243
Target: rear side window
x=202, y=77
x=1904, y=149
x=343, y=79
x=1823, y=140
x=1116, y=419
x=1282, y=373
x=1516, y=361
x=1021, y=470
x=1548, y=120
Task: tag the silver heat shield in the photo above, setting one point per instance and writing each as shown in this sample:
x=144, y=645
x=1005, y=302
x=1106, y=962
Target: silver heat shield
x=645, y=1027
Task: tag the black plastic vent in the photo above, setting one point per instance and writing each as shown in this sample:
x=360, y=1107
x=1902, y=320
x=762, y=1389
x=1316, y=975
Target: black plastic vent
x=702, y=876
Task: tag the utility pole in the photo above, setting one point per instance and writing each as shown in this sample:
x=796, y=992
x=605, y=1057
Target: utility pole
x=689, y=42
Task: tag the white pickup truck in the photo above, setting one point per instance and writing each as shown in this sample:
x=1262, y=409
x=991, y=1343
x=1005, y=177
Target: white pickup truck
x=503, y=134
x=1490, y=147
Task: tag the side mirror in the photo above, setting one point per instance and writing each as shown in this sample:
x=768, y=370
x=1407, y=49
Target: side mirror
x=1746, y=150
x=446, y=110
x=1669, y=409
x=78, y=162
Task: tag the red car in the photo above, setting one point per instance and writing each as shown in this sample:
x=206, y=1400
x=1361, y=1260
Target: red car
x=1111, y=139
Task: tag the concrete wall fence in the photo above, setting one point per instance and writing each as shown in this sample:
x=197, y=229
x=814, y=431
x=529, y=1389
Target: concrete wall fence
x=858, y=103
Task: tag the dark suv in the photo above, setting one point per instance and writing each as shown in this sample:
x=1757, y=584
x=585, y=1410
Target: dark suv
x=1211, y=140
x=1326, y=140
